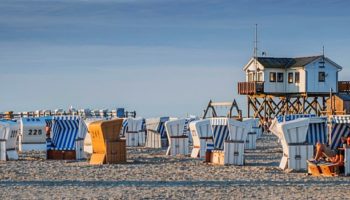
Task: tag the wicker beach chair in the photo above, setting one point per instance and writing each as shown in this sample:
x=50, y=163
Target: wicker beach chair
x=67, y=138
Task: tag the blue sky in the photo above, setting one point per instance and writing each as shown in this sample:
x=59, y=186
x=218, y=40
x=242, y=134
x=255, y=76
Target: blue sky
x=158, y=57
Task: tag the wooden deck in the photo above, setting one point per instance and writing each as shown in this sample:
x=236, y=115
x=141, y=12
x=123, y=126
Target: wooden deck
x=250, y=88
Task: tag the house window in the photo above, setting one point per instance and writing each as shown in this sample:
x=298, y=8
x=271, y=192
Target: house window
x=260, y=76
x=321, y=76
x=279, y=77
x=297, y=77
x=272, y=76
x=250, y=77
x=290, y=77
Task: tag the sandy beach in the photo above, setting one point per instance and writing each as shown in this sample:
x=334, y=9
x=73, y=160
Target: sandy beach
x=149, y=174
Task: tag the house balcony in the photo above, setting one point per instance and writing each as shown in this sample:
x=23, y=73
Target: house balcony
x=250, y=88
x=344, y=86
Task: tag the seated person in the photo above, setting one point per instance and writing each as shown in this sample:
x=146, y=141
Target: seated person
x=333, y=156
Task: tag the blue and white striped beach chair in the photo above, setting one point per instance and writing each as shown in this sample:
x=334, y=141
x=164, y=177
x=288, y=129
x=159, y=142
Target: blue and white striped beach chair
x=220, y=132
x=68, y=133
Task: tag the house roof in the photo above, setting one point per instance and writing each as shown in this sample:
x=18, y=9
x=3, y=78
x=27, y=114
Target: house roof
x=270, y=62
x=273, y=62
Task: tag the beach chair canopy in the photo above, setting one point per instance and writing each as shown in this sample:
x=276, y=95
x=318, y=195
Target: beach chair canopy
x=176, y=127
x=295, y=131
x=188, y=120
x=134, y=124
x=65, y=131
x=317, y=129
x=33, y=129
x=202, y=128
x=220, y=131
x=157, y=124
x=238, y=130
x=282, y=118
x=340, y=127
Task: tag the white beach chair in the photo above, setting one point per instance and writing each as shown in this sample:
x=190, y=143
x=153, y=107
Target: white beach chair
x=8, y=140
x=156, y=133
x=202, y=136
x=33, y=134
x=255, y=122
x=296, y=151
x=234, y=148
x=252, y=134
x=133, y=132
x=178, y=140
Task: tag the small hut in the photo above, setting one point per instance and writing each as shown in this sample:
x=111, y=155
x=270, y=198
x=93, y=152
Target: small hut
x=339, y=104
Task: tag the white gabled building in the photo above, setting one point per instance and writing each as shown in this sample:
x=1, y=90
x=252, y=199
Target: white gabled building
x=311, y=75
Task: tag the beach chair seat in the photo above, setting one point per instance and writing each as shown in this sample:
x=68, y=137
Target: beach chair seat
x=178, y=145
x=298, y=156
x=313, y=169
x=108, y=148
x=251, y=141
x=67, y=138
x=329, y=169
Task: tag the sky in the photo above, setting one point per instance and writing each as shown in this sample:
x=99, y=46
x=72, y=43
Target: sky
x=158, y=57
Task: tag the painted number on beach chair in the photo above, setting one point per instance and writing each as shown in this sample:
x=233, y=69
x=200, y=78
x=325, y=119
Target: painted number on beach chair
x=35, y=132
x=13, y=134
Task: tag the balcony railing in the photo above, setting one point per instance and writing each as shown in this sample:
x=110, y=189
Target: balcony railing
x=248, y=88
x=344, y=86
